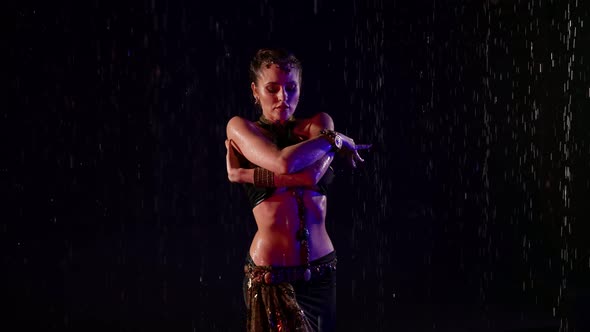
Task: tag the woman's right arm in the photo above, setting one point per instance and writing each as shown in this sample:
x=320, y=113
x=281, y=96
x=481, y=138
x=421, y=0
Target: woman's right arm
x=259, y=150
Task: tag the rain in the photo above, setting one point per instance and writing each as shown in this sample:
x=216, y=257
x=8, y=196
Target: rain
x=470, y=212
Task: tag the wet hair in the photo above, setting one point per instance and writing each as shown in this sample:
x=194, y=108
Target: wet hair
x=269, y=56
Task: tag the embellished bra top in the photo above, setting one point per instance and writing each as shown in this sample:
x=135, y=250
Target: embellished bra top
x=283, y=136
x=257, y=195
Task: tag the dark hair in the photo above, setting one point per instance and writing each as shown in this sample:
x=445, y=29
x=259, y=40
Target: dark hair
x=269, y=56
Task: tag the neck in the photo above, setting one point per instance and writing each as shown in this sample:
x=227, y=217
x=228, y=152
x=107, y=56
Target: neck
x=281, y=132
x=277, y=123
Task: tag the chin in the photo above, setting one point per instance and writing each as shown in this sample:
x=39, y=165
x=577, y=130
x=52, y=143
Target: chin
x=287, y=114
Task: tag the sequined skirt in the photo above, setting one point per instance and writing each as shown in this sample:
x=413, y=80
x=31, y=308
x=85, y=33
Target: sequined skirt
x=284, y=299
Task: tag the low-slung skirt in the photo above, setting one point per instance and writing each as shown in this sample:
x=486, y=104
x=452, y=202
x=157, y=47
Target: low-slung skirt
x=280, y=299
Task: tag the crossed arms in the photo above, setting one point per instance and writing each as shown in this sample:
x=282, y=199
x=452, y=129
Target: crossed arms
x=302, y=164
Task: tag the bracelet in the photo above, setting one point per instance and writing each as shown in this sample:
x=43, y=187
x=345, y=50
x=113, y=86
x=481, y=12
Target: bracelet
x=263, y=177
x=333, y=137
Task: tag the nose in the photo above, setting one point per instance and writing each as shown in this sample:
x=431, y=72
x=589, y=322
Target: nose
x=283, y=94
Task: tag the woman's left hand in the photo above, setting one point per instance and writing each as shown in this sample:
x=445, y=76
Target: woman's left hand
x=232, y=163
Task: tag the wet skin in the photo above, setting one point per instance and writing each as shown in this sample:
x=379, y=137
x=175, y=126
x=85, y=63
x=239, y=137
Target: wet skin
x=277, y=217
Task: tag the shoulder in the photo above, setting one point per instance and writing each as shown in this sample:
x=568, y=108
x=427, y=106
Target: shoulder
x=237, y=123
x=321, y=118
x=311, y=127
x=319, y=121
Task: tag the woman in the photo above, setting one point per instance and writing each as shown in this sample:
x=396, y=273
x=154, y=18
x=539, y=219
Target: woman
x=284, y=164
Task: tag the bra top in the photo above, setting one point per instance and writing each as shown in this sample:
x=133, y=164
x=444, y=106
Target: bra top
x=257, y=195
x=282, y=136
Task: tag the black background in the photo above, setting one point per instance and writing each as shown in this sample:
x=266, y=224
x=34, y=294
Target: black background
x=470, y=213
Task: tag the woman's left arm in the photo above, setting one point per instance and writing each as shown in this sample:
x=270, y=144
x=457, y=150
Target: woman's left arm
x=308, y=176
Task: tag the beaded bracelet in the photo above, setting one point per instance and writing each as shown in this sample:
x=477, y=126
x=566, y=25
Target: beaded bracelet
x=333, y=137
x=263, y=177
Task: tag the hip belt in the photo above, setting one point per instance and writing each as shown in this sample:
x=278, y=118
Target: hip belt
x=280, y=274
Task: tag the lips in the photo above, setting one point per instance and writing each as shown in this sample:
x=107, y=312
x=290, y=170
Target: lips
x=282, y=107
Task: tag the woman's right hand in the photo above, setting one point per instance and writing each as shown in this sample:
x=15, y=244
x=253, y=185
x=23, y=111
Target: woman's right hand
x=350, y=150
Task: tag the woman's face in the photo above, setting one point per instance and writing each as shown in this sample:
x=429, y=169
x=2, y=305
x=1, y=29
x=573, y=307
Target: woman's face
x=277, y=90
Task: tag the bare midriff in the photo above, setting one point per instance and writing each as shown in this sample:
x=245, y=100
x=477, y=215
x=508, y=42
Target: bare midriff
x=275, y=243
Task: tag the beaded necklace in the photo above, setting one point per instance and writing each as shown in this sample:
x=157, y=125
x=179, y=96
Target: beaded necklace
x=282, y=136
x=303, y=233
